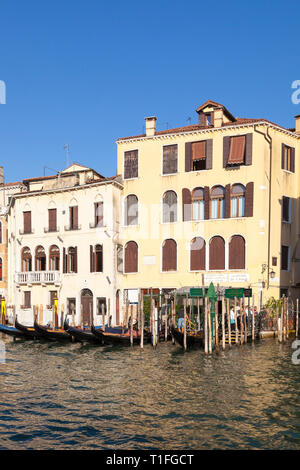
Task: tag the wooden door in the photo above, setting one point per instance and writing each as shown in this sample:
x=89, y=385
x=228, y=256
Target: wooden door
x=87, y=308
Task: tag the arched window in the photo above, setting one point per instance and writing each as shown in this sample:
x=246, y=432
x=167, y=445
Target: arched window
x=216, y=253
x=198, y=203
x=26, y=259
x=197, y=259
x=54, y=258
x=40, y=258
x=217, y=202
x=131, y=257
x=237, y=252
x=238, y=200
x=131, y=210
x=72, y=259
x=1, y=269
x=169, y=255
x=170, y=206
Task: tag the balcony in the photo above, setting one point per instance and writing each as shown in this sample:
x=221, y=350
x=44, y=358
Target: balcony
x=51, y=230
x=38, y=277
x=72, y=227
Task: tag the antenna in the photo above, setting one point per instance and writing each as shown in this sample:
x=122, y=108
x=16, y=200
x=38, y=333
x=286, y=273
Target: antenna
x=66, y=148
x=189, y=119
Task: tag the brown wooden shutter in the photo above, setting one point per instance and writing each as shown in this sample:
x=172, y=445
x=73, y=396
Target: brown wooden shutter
x=91, y=259
x=186, y=205
x=282, y=156
x=27, y=299
x=227, y=201
x=75, y=259
x=237, y=149
x=209, y=151
x=170, y=159
x=285, y=208
x=292, y=160
x=237, y=252
x=27, y=221
x=131, y=164
x=64, y=261
x=169, y=255
x=198, y=150
x=249, y=199
x=197, y=255
x=249, y=144
x=188, y=158
x=75, y=216
x=52, y=220
x=206, y=202
x=217, y=253
x=131, y=257
x=226, y=150
x=202, y=119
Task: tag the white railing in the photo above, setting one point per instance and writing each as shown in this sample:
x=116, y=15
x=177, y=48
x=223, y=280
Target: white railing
x=38, y=277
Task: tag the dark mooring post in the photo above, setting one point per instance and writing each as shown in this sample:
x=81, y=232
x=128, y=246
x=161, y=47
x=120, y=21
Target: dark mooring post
x=241, y=321
x=253, y=320
x=283, y=319
x=209, y=328
x=142, y=320
x=14, y=315
x=236, y=324
x=280, y=325
x=216, y=325
x=228, y=321
x=198, y=314
x=223, y=322
x=131, y=325
x=287, y=318
x=103, y=317
x=297, y=318
x=166, y=321
x=246, y=319
x=205, y=325
x=62, y=314
x=184, y=324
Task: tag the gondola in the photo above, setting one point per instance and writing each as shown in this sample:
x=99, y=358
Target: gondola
x=115, y=336
x=82, y=334
x=11, y=331
x=193, y=339
x=27, y=331
x=51, y=333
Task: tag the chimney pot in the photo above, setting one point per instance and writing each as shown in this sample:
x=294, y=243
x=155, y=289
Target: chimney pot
x=150, y=125
x=297, y=126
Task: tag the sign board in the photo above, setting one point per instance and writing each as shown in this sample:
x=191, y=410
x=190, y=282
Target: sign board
x=238, y=293
x=217, y=278
x=238, y=277
x=197, y=291
x=133, y=296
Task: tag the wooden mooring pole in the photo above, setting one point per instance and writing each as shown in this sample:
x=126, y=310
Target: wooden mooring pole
x=184, y=323
x=103, y=317
x=223, y=322
x=287, y=318
x=241, y=321
x=142, y=320
x=217, y=325
x=205, y=326
x=236, y=324
x=209, y=329
x=253, y=319
x=297, y=318
x=131, y=325
x=228, y=322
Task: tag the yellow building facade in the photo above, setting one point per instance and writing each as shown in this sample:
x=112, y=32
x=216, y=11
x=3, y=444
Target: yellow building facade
x=240, y=186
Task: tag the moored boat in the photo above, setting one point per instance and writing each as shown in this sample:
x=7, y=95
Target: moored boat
x=82, y=334
x=193, y=338
x=27, y=331
x=52, y=334
x=11, y=331
x=116, y=336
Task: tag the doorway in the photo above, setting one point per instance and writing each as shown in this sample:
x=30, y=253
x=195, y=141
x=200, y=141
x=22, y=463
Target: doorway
x=87, y=307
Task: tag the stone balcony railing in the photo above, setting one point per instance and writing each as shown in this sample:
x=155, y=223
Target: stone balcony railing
x=38, y=277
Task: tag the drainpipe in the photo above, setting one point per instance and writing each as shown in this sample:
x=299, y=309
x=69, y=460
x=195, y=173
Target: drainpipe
x=268, y=138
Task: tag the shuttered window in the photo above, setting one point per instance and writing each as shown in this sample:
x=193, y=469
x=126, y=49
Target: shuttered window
x=237, y=200
x=288, y=158
x=131, y=164
x=197, y=255
x=54, y=258
x=53, y=296
x=52, y=220
x=27, y=221
x=198, y=203
x=26, y=259
x=27, y=299
x=170, y=159
x=217, y=202
x=237, y=252
x=98, y=209
x=131, y=257
x=198, y=155
x=131, y=210
x=237, y=150
x=186, y=204
x=217, y=253
x=169, y=207
x=285, y=257
x=249, y=194
x=169, y=255
x=72, y=260
x=40, y=259
x=73, y=218
x=96, y=259
x=286, y=209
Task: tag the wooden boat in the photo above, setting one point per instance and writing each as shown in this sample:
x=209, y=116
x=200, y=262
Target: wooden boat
x=11, y=331
x=115, y=336
x=52, y=334
x=82, y=334
x=27, y=331
x=193, y=339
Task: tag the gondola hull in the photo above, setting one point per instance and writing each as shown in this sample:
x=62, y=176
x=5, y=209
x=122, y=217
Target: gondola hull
x=11, y=331
x=83, y=335
x=115, y=336
x=51, y=334
x=192, y=340
x=28, y=332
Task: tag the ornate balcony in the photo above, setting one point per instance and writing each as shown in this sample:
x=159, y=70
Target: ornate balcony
x=38, y=277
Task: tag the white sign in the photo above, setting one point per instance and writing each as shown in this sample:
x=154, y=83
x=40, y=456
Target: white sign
x=133, y=296
x=275, y=279
x=215, y=278
x=239, y=277
x=149, y=260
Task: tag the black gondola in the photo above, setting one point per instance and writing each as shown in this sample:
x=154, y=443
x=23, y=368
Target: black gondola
x=81, y=334
x=115, y=336
x=27, y=331
x=11, y=331
x=51, y=333
x=193, y=339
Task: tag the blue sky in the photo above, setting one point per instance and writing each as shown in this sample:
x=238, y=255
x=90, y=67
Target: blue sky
x=85, y=72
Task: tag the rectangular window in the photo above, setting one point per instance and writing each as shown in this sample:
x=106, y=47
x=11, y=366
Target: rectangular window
x=101, y=301
x=198, y=210
x=98, y=214
x=131, y=164
x=170, y=159
x=27, y=299
x=288, y=158
x=286, y=209
x=198, y=155
x=71, y=306
x=285, y=257
x=27, y=221
x=52, y=220
x=237, y=206
x=237, y=150
x=73, y=217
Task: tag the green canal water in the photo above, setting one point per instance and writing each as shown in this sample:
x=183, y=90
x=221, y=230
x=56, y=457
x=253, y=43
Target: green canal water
x=87, y=397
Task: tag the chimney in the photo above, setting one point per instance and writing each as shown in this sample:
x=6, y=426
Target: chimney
x=150, y=125
x=1, y=175
x=218, y=117
x=297, y=127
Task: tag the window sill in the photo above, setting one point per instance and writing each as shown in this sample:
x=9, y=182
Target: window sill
x=131, y=179
x=287, y=222
x=128, y=226
x=168, y=223
x=288, y=171
x=170, y=174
